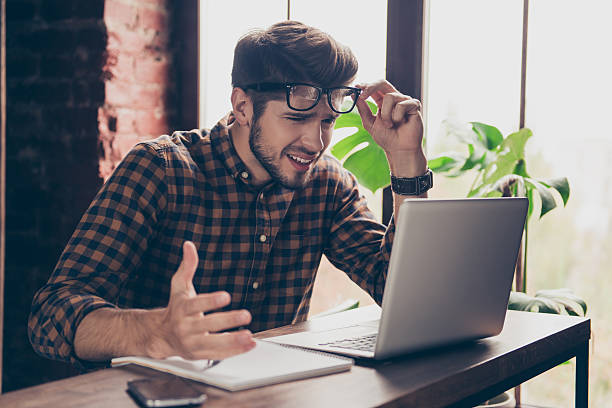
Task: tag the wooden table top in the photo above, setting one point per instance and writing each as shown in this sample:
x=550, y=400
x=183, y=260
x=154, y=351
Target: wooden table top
x=432, y=379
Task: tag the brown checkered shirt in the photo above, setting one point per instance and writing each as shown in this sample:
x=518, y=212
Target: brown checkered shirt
x=262, y=245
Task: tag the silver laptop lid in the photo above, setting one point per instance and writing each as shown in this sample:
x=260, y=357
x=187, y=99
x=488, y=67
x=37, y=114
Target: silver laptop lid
x=460, y=255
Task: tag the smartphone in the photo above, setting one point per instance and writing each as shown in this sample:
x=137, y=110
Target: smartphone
x=164, y=392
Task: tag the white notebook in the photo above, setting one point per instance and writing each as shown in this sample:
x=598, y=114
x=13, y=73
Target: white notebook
x=267, y=363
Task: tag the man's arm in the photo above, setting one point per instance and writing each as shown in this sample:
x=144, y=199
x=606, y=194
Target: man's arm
x=358, y=244
x=397, y=128
x=184, y=328
x=106, y=248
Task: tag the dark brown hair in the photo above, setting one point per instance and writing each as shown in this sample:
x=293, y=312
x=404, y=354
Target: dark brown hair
x=290, y=51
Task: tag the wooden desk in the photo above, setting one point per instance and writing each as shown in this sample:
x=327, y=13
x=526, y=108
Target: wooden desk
x=461, y=376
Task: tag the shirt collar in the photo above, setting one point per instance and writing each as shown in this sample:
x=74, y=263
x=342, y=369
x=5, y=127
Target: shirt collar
x=224, y=149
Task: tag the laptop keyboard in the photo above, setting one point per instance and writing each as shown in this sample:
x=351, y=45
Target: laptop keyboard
x=363, y=343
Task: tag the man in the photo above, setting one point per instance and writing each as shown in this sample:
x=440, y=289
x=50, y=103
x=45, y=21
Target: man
x=200, y=233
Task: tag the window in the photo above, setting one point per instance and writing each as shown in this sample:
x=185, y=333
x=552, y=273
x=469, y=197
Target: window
x=473, y=69
x=474, y=75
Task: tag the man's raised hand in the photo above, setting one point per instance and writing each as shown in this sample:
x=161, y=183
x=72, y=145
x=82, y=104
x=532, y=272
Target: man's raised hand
x=398, y=125
x=190, y=328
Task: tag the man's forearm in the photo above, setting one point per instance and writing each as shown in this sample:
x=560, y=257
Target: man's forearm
x=107, y=333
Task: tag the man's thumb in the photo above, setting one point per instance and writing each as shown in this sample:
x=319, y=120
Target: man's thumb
x=182, y=281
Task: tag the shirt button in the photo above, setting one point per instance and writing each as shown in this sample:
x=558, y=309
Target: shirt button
x=244, y=175
x=255, y=285
x=262, y=238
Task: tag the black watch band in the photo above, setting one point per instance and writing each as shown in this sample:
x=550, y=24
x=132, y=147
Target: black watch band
x=412, y=185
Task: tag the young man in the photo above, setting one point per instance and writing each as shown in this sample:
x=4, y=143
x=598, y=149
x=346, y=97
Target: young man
x=199, y=233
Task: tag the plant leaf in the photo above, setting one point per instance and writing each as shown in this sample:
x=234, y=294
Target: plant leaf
x=491, y=135
x=562, y=187
x=476, y=158
x=520, y=169
x=370, y=167
x=344, y=146
x=503, y=165
x=530, y=198
x=515, y=143
x=443, y=164
x=557, y=301
x=518, y=300
x=548, y=201
x=369, y=163
x=573, y=304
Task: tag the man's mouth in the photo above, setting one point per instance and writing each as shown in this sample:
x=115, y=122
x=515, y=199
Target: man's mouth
x=300, y=163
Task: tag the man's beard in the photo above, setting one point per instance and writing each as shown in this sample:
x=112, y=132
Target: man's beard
x=269, y=162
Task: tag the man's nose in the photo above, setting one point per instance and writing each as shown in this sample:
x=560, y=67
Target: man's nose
x=312, y=140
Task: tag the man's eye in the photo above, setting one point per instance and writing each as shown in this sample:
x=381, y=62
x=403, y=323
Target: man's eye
x=296, y=118
x=329, y=122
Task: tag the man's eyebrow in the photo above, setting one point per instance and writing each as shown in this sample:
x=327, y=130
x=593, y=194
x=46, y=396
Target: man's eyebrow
x=299, y=114
x=305, y=115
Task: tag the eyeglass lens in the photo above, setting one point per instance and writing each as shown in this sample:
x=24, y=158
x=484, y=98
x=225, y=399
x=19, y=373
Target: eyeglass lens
x=304, y=97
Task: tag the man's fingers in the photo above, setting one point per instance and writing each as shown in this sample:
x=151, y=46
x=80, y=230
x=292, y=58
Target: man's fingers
x=205, y=302
x=390, y=101
x=377, y=90
x=367, y=118
x=219, y=346
x=217, y=322
x=408, y=107
x=182, y=281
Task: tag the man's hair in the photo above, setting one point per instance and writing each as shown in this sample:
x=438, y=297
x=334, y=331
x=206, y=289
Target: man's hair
x=290, y=51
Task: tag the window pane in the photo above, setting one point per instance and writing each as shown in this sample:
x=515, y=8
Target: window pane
x=474, y=65
x=369, y=44
x=568, y=108
x=344, y=20
x=220, y=28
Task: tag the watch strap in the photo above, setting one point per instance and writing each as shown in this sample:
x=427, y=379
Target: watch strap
x=412, y=185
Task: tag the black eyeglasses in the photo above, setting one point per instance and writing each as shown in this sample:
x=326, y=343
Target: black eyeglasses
x=303, y=97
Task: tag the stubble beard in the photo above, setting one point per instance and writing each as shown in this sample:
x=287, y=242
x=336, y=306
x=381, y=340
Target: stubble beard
x=266, y=157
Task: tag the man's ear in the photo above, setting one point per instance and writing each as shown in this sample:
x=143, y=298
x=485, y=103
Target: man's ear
x=242, y=107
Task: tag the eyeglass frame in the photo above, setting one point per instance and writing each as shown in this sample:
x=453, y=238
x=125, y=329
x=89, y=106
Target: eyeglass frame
x=275, y=86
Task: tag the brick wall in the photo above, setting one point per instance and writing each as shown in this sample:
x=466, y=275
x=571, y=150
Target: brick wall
x=86, y=79
x=139, y=85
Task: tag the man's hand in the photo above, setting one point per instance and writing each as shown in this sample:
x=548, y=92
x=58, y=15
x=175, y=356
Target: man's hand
x=188, y=326
x=397, y=127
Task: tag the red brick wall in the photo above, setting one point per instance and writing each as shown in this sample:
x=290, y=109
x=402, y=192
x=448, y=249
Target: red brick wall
x=138, y=86
x=86, y=79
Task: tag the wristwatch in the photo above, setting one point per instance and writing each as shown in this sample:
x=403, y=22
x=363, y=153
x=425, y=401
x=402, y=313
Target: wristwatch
x=412, y=185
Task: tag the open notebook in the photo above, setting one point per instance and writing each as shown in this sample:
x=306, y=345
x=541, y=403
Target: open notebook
x=267, y=363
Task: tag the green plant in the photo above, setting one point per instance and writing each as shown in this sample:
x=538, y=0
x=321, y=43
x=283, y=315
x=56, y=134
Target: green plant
x=500, y=169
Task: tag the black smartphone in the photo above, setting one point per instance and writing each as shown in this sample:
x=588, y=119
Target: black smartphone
x=164, y=392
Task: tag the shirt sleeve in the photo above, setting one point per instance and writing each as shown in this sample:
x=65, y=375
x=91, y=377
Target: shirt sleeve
x=358, y=244
x=106, y=246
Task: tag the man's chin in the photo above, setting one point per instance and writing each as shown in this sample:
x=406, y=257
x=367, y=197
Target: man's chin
x=297, y=182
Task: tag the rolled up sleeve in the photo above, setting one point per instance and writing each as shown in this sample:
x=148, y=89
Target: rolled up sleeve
x=106, y=246
x=358, y=244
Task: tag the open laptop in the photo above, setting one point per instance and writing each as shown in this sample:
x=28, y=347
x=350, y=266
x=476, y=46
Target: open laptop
x=449, y=279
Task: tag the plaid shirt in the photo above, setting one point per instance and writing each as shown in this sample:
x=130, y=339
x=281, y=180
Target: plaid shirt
x=262, y=245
